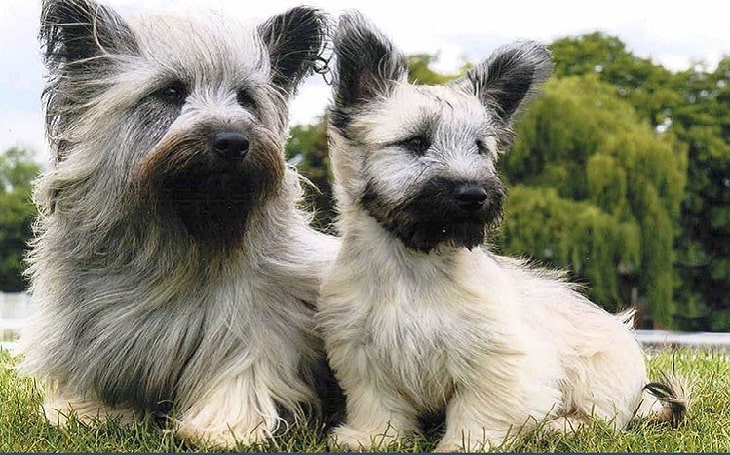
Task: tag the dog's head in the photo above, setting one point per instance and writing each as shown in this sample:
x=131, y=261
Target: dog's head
x=182, y=119
x=421, y=160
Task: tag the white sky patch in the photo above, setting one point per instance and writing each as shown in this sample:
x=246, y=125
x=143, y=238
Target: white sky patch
x=310, y=102
x=24, y=131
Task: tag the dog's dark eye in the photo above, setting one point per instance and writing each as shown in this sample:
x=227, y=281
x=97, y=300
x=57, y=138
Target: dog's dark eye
x=483, y=148
x=172, y=93
x=416, y=144
x=245, y=99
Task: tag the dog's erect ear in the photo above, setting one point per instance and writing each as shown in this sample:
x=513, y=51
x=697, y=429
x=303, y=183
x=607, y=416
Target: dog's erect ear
x=509, y=77
x=73, y=32
x=80, y=40
x=295, y=39
x=367, y=63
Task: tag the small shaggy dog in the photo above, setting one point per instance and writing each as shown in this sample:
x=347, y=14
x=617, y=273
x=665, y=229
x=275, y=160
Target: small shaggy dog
x=418, y=316
x=172, y=270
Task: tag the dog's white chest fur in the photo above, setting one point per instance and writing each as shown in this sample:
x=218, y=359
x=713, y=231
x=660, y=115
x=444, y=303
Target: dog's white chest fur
x=412, y=323
x=404, y=333
x=492, y=343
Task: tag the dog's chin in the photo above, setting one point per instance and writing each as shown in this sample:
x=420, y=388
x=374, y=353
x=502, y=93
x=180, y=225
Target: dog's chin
x=213, y=203
x=430, y=237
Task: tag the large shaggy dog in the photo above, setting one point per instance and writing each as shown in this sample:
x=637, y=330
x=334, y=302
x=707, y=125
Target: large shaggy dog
x=172, y=269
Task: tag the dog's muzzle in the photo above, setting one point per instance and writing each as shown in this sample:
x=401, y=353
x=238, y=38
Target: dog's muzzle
x=445, y=211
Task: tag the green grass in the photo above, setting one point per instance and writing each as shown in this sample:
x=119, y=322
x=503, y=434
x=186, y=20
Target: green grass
x=707, y=429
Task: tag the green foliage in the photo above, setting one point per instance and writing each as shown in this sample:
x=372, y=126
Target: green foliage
x=17, y=212
x=420, y=72
x=707, y=429
x=702, y=121
x=693, y=106
x=572, y=234
x=609, y=189
x=653, y=89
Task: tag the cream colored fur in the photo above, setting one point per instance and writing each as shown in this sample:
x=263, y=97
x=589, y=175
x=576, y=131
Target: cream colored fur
x=501, y=346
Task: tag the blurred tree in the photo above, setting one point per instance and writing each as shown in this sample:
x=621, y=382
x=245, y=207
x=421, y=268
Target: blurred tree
x=603, y=252
x=693, y=106
x=653, y=89
x=17, y=170
x=702, y=121
x=615, y=188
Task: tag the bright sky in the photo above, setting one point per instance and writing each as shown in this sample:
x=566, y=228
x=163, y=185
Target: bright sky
x=675, y=34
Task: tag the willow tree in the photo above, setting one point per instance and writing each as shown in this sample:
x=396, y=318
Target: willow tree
x=653, y=89
x=694, y=106
x=596, y=190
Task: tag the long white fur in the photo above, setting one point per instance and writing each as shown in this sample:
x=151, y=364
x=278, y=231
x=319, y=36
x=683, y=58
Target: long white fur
x=496, y=343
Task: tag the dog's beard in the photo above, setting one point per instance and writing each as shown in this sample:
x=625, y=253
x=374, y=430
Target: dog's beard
x=432, y=218
x=214, y=204
x=214, y=199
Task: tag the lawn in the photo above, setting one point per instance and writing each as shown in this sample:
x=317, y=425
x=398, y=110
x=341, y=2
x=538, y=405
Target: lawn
x=707, y=429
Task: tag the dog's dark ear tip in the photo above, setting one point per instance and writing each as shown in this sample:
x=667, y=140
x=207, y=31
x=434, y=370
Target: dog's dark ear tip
x=510, y=77
x=354, y=29
x=76, y=30
x=295, y=39
x=351, y=19
x=367, y=63
x=542, y=58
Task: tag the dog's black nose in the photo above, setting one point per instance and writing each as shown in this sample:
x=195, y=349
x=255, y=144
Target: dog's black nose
x=470, y=196
x=230, y=145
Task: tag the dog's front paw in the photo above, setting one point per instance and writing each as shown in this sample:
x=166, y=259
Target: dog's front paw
x=448, y=447
x=200, y=431
x=347, y=438
x=237, y=412
x=58, y=411
x=227, y=423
